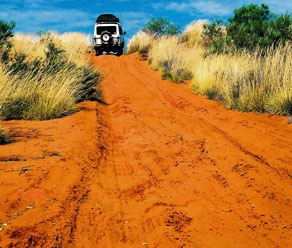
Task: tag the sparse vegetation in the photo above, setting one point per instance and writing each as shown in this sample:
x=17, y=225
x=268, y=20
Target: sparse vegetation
x=4, y=137
x=140, y=42
x=161, y=27
x=172, y=62
x=251, y=28
x=253, y=77
x=44, y=76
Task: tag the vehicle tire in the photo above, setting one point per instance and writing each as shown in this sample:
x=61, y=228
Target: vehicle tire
x=120, y=51
x=98, y=52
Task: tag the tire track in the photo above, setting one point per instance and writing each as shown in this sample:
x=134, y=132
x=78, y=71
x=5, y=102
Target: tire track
x=177, y=157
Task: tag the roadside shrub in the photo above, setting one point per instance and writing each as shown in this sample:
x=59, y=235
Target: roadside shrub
x=251, y=28
x=214, y=37
x=5, y=31
x=248, y=82
x=140, y=42
x=169, y=56
x=192, y=35
x=4, y=137
x=44, y=83
x=5, y=44
x=161, y=27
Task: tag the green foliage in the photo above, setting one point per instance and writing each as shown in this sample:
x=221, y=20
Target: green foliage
x=280, y=29
x=161, y=26
x=178, y=76
x=247, y=28
x=214, y=93
x=250, y=28
x=5, y=31
x=282, y=105
x=5, y=44
x=214, y=37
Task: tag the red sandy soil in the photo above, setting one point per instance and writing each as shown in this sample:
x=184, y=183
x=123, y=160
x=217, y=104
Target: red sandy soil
x=155, y=166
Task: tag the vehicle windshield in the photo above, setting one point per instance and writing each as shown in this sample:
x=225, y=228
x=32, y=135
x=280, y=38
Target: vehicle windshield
x=110, y=29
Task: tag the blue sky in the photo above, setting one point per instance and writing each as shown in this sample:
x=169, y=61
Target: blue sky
x=32, y=16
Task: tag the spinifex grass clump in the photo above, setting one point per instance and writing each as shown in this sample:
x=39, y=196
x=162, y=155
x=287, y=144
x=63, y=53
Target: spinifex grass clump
x=4, y=137
x=171, y=57
x=249, y=72
x=45, y=79
x=249, y=81
x=140, y=42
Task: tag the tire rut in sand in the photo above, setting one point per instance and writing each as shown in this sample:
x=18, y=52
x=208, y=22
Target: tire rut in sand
x=186, y=175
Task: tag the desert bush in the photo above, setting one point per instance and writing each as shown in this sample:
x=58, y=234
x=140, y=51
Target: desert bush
x=40, y=97
x=5, y=35
x=4, y=136
x=251, y=28
x=140, y=42
x=6, y=31
x=45, y=83
x=161, y=27
x=169, y=56
x=247, y=75
x=192, y=35
x=248, y=82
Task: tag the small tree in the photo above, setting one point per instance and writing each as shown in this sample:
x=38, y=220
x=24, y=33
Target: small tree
x=281, y=29
x=161, y=26
x=247, y=28
x=251, y=27
x=5, y=44
x=214, y=37
x=5, y=31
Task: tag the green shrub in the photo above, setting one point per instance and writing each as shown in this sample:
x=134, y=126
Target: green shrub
x=5, y=31
x=214, y=37
x=5, y=44
x=251, y=28
x=161, y=26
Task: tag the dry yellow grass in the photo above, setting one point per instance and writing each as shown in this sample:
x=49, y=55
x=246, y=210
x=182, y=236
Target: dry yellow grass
x=248, y=82
x=192, y=35
x=140, y=42
x=51, y=90
x=48, y=96
x=172, y=58
x=74, y=44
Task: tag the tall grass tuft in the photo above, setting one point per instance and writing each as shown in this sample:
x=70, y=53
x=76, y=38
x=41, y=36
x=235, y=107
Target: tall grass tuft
x=140, y=42
x=4, y=137
x=192, y=35
x=45, y=77
x=259, y=81
x=171, y=57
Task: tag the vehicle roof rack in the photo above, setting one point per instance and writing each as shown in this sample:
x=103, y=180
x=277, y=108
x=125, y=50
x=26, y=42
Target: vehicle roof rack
x=107, y=18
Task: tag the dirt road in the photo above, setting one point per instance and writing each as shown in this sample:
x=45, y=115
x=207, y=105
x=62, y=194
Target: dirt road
x=156, y=166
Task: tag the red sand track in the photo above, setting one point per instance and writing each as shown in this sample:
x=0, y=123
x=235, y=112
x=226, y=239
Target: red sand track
x=156, y=166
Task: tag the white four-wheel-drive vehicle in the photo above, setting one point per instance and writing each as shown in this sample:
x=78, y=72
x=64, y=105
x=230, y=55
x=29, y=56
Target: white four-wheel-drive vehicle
x=108, y=35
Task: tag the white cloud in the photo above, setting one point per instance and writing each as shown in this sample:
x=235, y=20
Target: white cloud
x=220, y=8
x=211, y=8
x=193, y=7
